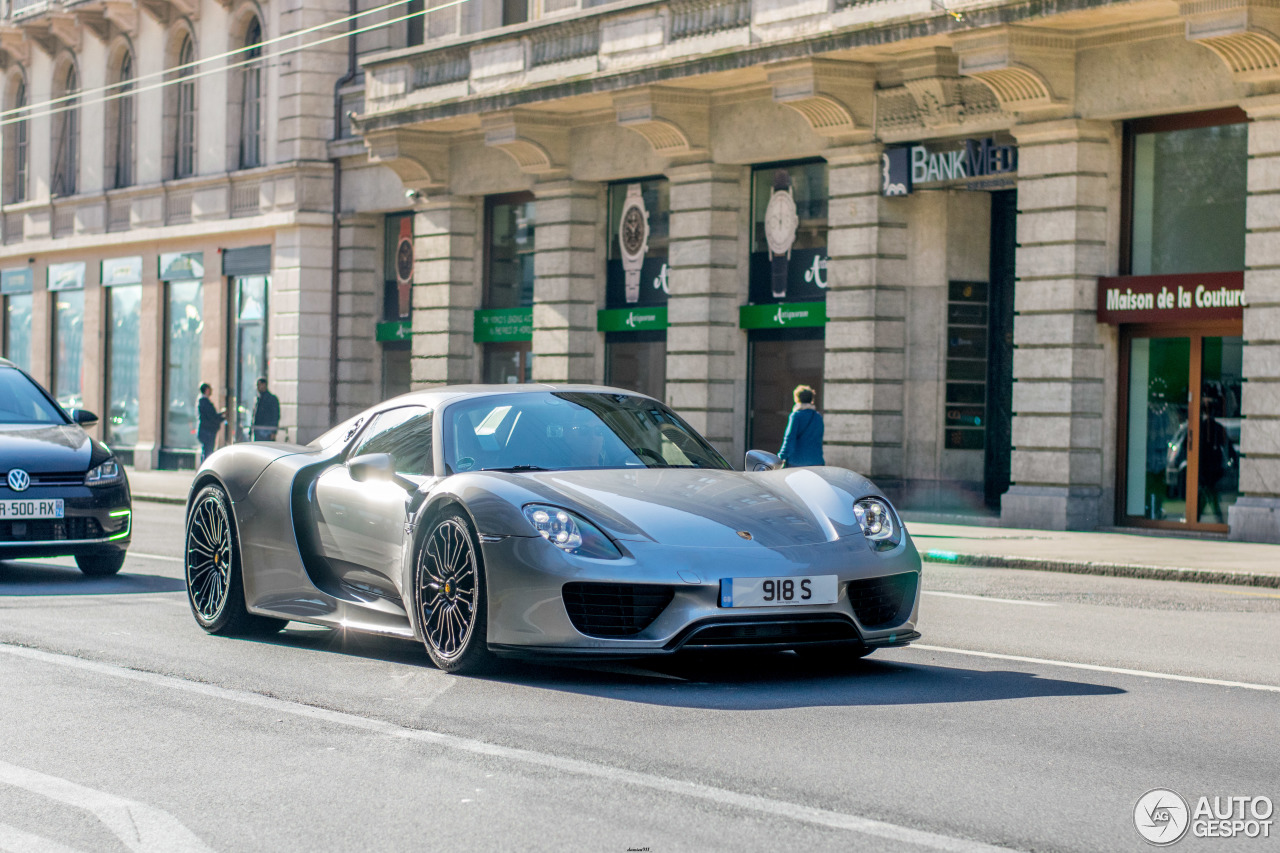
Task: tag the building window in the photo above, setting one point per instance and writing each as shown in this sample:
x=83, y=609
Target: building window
x=1186, y=203
x=251, y=99
x=184, y=130
x=66, y=135
x=16, y=147
x=120, y=132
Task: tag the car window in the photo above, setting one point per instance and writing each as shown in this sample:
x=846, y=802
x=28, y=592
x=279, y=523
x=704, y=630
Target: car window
x=21, y=401
x=405, y=433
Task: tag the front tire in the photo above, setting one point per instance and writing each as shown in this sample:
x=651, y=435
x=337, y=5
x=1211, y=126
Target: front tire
x=451, y=596
x=100, y=565
x=215, y=586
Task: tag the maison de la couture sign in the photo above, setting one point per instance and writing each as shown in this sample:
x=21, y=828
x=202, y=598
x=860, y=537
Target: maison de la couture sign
x=1171, y=298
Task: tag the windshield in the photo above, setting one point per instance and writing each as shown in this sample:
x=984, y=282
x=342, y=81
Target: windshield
x=559, y=430
x=21, y=402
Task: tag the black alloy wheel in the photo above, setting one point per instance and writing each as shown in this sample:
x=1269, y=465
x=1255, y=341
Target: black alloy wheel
x=215, y=588
x=452, y=612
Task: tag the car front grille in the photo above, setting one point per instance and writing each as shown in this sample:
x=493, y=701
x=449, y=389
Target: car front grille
x=72, y=478
x=878, y=602
x=50, y=530
x=614, y=609
x=762, y=633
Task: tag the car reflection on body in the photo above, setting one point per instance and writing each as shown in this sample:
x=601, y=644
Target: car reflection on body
x=545, y=521
x=61, y=492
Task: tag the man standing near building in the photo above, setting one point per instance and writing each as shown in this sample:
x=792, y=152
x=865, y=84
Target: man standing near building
x=209, y=421
x=266, y=413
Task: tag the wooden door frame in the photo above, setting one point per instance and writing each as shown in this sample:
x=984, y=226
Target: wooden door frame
x=1196, y=332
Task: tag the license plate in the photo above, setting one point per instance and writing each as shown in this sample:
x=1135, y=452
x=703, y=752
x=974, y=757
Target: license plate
x=31, y=509
x=778, y=592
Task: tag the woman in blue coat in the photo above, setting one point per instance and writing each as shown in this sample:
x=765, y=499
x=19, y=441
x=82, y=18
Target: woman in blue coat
x=802, y=444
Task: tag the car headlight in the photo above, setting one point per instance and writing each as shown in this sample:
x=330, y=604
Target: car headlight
x=106, y=474
x=878, y=523
x=571, y=533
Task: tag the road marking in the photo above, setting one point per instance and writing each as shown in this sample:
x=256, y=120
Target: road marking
x=1250, y=594
x=14, y=840
x=1096, y=668
x=987, y=598
x=140, y=827
x=678, y=787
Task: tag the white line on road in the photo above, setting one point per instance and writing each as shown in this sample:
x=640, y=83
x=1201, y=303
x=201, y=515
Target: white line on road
x=1096, y=668
x=139, y=827
x=14, y=840
x=679, y=787
x=987, y=598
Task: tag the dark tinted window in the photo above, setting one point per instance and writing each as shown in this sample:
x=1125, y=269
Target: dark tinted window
x=22, y=403
x=405, y=433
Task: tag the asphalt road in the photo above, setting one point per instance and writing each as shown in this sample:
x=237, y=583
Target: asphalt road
x=1036, y=711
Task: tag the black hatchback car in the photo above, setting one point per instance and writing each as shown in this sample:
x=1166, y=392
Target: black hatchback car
x=61, y=492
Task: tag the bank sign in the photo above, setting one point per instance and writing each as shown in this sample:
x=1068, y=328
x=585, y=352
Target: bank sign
x=975, y=164
x=1171, y=298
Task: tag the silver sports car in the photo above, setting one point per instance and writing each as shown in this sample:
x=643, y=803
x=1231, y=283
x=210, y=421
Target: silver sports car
x=545, y=520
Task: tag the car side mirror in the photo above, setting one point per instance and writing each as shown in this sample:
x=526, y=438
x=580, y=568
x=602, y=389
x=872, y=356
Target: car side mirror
x=762, y=460
x=83, y=417
x=378, y=466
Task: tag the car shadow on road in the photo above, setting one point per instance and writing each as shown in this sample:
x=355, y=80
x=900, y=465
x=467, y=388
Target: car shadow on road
x=37, y=579
x=784, y=680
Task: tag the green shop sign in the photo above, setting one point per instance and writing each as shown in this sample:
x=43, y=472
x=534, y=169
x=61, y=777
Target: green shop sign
x=783, y=315
x=395, y=330
x=631, y=319
x=503, y=325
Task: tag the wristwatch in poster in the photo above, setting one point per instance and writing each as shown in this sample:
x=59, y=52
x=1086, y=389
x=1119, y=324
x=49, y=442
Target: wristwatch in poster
x=633, y=238
x=404, y=266
x=780, y=223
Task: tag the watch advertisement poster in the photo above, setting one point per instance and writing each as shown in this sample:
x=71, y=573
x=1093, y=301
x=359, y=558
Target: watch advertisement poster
x=789, y=234
x=639, y=219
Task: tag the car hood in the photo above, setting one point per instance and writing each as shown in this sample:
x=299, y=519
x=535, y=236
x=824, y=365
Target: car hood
x=707, y=508
x=45, y=448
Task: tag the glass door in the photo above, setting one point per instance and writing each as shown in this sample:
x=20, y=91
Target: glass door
x=249, y=355
x=1181, y=429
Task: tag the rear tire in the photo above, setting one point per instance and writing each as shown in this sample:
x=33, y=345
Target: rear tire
x=215, y=586
x=451, y=596
x=101, y=565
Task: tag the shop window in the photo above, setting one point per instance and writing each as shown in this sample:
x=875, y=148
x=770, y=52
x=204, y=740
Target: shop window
x=637, y=286
x=249, y=363
x=124, y=333
x=185, y=316
x=17, y=329
x=789, y=233
x=1186, y=203
x=397, y=265
x=68, y=348
x=508, y=284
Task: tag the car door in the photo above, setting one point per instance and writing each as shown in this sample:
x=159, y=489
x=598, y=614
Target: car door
x=361, y=525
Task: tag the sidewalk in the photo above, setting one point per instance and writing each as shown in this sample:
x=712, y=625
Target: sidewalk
x=1129, y=555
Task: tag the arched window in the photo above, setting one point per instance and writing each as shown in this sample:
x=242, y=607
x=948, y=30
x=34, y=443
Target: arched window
x=251, y=98
x=121, y=125
x=66, y=136
x=16, y=144
x=184, y=150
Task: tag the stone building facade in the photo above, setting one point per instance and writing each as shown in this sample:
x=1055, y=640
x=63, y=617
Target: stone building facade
x=1026, y=253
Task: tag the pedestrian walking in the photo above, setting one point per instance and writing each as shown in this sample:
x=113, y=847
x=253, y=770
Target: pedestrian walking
x=266, y=413
x=802, y=443
x=209, y=421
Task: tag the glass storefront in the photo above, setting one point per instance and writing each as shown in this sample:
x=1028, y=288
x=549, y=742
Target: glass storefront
x=17, y=329
x=637, y=286
x=637, y=361
x=249, y=307
x=68, y=348
x=781, y=360
x=507, y=364
x=185, y=322
x=124, y=311
x=509, y=252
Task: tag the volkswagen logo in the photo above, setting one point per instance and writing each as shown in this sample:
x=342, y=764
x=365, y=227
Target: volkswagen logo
x=19, y=480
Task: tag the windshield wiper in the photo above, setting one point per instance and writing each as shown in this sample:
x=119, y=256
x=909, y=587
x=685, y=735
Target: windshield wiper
x=517, y=468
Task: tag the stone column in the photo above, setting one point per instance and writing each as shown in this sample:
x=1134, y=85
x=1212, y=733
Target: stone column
x=866, y=309
x=1059, y=363
x=707, y=266
x=151, y=369
x=444, y=291
x=1256, y=515
x=300, y=303
x=359, y=307
x=566, y=288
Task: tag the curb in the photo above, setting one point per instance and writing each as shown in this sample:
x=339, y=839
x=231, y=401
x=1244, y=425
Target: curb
x=1115, y=570
x=158, y=499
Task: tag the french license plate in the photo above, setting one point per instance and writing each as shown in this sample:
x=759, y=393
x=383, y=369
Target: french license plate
x=31, y=509
x=778, y=592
